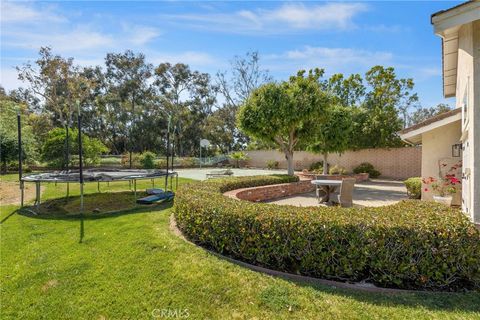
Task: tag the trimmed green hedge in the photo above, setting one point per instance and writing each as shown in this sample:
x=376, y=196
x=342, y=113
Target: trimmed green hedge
x=409, y=245
x=366, y=167
x=414, y=187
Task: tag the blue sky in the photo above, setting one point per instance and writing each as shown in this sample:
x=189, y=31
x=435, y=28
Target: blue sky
x=347, y=37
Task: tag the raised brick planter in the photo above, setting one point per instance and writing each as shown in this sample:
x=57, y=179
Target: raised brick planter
x=264, y=193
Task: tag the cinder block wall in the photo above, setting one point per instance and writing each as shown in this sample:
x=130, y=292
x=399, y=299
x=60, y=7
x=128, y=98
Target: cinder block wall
x=396, y=163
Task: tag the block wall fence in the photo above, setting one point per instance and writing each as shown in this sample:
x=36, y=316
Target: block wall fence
x=396, y=163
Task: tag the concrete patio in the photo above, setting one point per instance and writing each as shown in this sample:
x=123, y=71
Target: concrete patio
x=374, y=193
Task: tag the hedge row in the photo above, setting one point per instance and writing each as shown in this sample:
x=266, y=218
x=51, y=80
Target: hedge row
x=411, y=245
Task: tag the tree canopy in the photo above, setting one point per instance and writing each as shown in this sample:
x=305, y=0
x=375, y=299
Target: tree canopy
x=284, y=113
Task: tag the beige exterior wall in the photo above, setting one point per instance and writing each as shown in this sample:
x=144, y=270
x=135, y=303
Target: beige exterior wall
x=467, y=97
x=475, y=125
x=436, y=146
x=396, y=163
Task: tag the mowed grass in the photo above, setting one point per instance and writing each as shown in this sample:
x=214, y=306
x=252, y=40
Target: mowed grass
x=129, y=265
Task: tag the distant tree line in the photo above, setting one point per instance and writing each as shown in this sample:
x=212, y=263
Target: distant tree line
x=126, y=104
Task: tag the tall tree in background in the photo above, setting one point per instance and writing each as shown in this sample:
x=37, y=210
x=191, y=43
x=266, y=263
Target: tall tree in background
x=422, y=114
x=235, y=86
x=188, y=98
x=56, y=80
x=284, y=113
x=378, y=121
x=128, y=75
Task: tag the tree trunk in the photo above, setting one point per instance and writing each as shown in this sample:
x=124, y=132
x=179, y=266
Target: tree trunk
x=289, y=157
x=325, y=163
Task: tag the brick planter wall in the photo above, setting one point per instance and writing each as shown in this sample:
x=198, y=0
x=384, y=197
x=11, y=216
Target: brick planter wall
x=264, y=193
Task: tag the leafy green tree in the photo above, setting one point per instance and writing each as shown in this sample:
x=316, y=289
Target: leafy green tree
x=58, y=82
x=9, y=133
x=127, y=75
x=377, y=120
x=332, y=135
x=53, y=151
x=284, y=113
x=188, y=97
x=347, y=92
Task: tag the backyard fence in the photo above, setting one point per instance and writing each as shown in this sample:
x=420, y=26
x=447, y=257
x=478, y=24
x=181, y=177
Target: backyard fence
x=396, y=163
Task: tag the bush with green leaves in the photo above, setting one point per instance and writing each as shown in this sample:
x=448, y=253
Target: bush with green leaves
x=238, y=156
x=414, y=187
x=336, y=169
x=367, y=167
x=410, y=245
x=317, y=166
x=188, y=162
x=147, y=160
x=272, y=164
x=54, y=148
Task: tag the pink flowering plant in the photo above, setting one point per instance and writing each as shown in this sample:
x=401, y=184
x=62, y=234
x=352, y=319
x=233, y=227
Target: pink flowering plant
x=447, y=183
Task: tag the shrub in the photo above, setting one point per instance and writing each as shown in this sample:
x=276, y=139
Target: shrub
x=238, y=156
x=316, y=166
x=366, y=167
x=414, y=187
x=147, y=160
x=188, y=162
x=336, y=169
x=411, y=244
x=272, y=164
x=110, y=161
x=53, y=150
x=136, y=157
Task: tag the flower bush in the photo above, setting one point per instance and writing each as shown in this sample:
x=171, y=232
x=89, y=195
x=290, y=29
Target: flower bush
x=411, y=244
x=447, y=183
x=414, y=187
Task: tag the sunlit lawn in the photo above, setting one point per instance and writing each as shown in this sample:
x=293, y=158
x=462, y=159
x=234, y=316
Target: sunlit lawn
x=129, y=264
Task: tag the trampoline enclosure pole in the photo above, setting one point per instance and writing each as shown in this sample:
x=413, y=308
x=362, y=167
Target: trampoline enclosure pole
x=80, y=159
x=20, y=169
x=168, y=151
x=67, y=155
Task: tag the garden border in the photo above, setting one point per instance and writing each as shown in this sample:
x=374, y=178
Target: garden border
x=365, y=287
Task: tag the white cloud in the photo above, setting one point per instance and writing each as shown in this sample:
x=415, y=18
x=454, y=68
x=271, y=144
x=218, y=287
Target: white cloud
x=69, y=41
x=330, y=15
x=346, y=60
x=140, y=35
x=284, y=19
x=193, y=58
x=9, y=78
x=23, y=13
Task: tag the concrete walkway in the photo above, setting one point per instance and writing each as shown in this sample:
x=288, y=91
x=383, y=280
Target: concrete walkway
x=374, y=193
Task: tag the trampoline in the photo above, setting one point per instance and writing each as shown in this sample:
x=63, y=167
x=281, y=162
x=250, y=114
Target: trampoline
x=99, y=175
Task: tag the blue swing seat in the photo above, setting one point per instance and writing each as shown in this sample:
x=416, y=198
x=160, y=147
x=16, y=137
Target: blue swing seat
x=155, y=191
x=161, y=197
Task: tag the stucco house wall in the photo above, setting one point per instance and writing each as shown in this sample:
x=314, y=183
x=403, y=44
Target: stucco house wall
x=437, y=146
x=467, y=97
x=475, y=126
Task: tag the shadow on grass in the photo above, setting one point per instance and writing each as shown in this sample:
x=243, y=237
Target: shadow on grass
x=468, y=302
x=96, y=206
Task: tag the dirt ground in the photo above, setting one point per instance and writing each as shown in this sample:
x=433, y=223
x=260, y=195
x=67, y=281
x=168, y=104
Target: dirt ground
x=10, y=192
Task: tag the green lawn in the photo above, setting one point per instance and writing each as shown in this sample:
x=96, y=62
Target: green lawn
x=126, y=265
